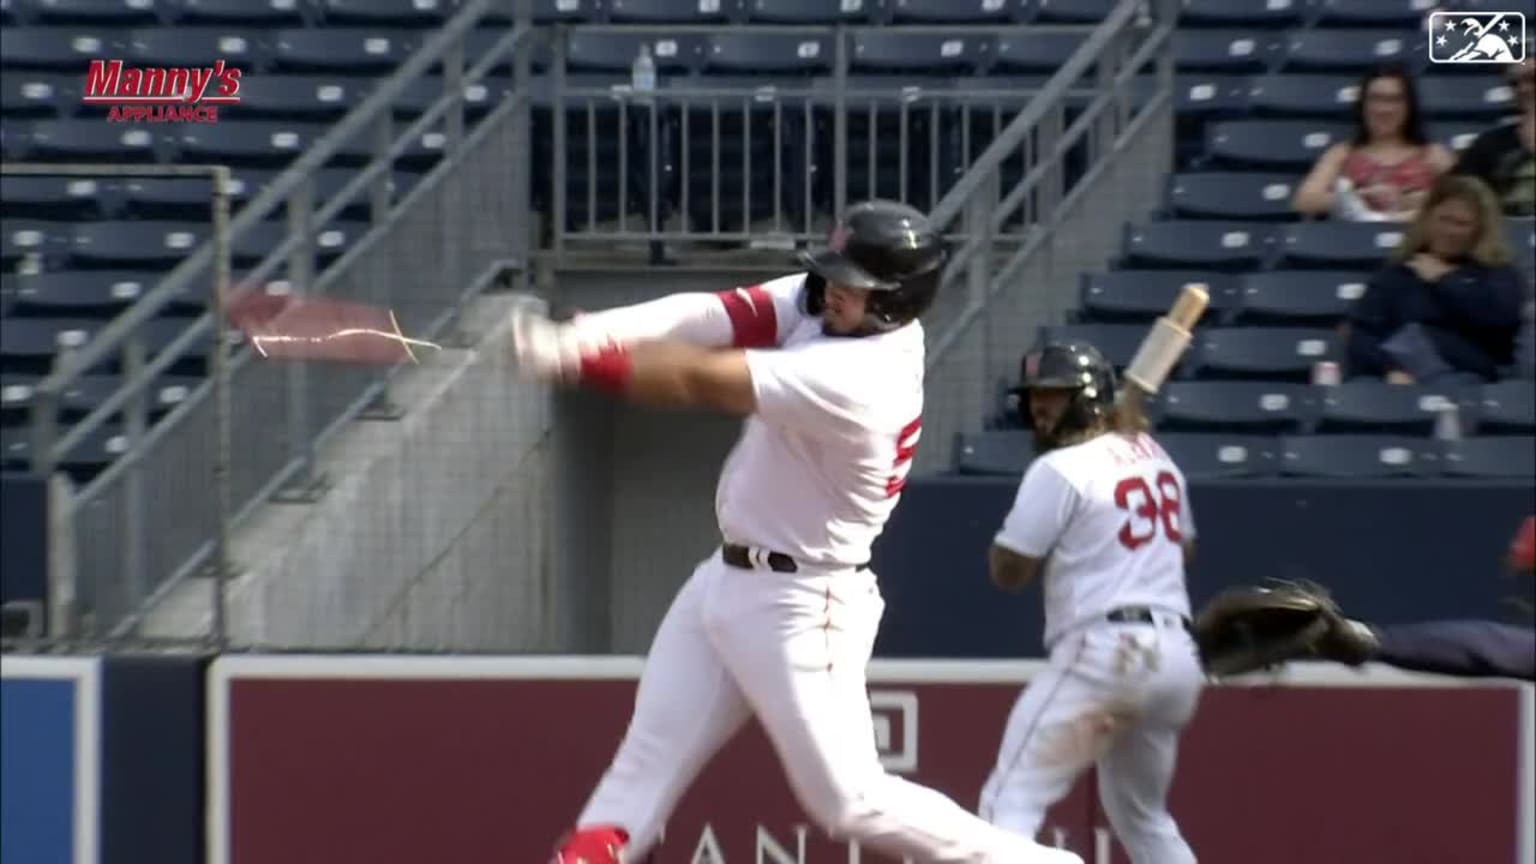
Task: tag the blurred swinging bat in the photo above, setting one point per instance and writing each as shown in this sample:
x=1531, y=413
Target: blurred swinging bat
x=1158, y=354
x=286, y=327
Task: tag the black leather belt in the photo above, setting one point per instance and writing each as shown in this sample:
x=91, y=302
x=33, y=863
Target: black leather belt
x=1138, y=615
x=741, y=557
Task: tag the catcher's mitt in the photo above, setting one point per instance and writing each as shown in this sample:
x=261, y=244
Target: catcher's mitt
x=1250, y=628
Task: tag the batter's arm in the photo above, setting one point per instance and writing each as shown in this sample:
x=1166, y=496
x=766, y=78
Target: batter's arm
x=1011, y=571
x=671, y=374
x=754, y=316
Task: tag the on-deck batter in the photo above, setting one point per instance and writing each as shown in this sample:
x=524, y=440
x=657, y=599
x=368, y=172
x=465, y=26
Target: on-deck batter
x=827, y=367
x=1104, y=515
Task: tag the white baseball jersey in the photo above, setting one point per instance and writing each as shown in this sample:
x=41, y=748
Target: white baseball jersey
x=1110, y=516
x=820, y=466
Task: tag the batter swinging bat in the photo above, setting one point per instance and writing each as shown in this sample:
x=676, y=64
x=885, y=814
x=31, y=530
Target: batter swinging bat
x=1158, y=354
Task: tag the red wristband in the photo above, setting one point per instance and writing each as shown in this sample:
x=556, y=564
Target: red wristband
x=609, y=368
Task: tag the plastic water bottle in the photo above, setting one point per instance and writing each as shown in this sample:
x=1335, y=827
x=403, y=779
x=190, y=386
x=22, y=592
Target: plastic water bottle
x=642, y=72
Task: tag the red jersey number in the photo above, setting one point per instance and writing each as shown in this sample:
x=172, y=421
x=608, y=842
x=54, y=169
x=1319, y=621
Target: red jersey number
x=1150, y=509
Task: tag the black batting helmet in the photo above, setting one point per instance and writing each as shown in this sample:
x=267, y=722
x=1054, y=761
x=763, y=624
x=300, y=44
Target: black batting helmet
x=1074, y=366
x=887, y=248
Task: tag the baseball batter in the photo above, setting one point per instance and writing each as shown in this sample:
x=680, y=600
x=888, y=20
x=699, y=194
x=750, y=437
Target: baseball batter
x=827, y=368
x=1104, y=516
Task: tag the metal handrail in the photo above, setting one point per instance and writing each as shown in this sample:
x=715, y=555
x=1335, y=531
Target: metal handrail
x=275, y=195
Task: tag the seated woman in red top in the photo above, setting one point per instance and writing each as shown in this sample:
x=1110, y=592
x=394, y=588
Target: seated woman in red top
x=1386, y=168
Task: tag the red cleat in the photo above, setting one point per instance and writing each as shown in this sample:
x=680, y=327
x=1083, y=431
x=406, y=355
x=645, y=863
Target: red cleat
x=594, y=844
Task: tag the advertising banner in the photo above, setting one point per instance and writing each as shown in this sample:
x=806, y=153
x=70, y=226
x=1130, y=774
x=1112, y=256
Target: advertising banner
x=377, y=760
x=49, y=760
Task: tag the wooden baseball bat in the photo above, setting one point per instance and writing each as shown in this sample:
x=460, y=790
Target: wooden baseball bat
x=1158, y=354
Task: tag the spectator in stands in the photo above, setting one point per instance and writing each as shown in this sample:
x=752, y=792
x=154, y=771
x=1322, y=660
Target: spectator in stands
x=1504, y=157
x=1384, y=171
x=1447, y=308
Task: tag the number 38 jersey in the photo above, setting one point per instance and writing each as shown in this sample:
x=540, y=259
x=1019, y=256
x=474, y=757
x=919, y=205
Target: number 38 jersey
x=1110, y=516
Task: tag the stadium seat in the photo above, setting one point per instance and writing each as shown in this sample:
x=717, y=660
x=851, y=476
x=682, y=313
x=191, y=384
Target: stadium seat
x=30, y=344
x=671, y=11
x=1217, y=455
x=136, y=244
x=745, y=51
x=551, y=12
x=885, y=51
x=260, y=13
x=1301, y=297
x=64, y=49
x=588, y=50
x=809, y=11
x=1225, y=51
x=88, y=293
x=197, y=46
x=88, y=391
x=1275, y=144
x=1360, y=456
x=1210, y=94
x=1117, y=342
x=61, y=198
x=952, y=11
x=20, y=238
x=995, y=452
x=1325, y=50
x=1491, y=456
x=267, y=144
x=299, y=97
x=1231, y=195
x=1145, y=295
x=83, y=139
x=1268, y=353
x=346, y=50
x=1507, y=407
x=1442, y=96
x=1371, y=405
x=177, y=197
x=25, y=94
x=1073, y=11
x=1297, y=95
x=1232, y=406
x=331, y=241
x=15, y=449
x=1330, y=244
x=1369, y=13
x=1185, y=244
x=107, y=13
x=1456, y=135
x=1268, y=14
x=1034, y=51
x=386, y=13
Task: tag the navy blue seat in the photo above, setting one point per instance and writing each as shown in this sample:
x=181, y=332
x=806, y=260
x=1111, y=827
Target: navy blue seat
x=1335, y=245
x=1507, y=407
x=1145, y=295
x=1325, y=50
x=1359, y=456
x=746, y=51
x=1117, y=342
x=1225, y=51
x=1369, y=13
x=1371, y=405
x=1212, y=94
x=810, y=11
x=1442, y=96
x=176, y=197
x=550, y=12
x=60, y=198
x=26, y=94
x=671, y=11
x=1230, y=195
x=1186, y=244
x=1232, y=406
x=331, y=241
x=1267, y=353
x=1492, y=456
x=995, y=452
x=1310, y=297
x=63, y=49
x=198, y=46
x=1034, y=51
x=30, y=344
x=135, y=245
x=1206, y=455
x=1298, y=95
x=344, y=50
x=593, y=50
x=1275, y=144
x=1239, y=13
x=953, y=11
x=259, y=13
x=20, y=238
x=84, y=394
x=252, y=143
x=1073, y=11
x=91, y=139
x=89, y=293
x=106, y=13
x=385, y=13
x=887, y=51
x=298, y=97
